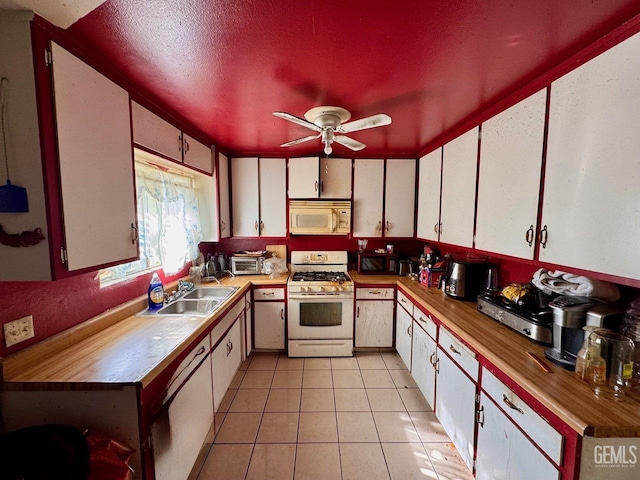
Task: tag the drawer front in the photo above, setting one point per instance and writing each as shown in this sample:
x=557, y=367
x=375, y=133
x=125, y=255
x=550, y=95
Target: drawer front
x=263, y=294
x=405, y=302
x=188, y=365
x=461, y=354
x=374, y=293
x=538, y=429
x=426, y=321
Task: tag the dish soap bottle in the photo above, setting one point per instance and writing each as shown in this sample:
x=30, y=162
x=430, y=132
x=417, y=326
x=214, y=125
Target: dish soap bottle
x=155, y=294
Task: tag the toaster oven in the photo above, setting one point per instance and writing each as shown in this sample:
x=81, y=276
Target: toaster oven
x=247, y=264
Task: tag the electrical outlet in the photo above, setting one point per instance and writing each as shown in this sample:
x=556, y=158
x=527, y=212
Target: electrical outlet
x=18, y=330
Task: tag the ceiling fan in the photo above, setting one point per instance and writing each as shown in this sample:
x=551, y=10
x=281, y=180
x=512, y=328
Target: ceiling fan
x=327, y=121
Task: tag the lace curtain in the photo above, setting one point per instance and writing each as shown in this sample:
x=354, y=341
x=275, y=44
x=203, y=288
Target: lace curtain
x=168, y=223
x=168, y=216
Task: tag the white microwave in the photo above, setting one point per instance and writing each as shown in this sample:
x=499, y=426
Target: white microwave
x=319, y=217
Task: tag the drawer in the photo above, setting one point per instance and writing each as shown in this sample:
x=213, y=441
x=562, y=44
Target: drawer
x=374, y=293
x=263, y=294
x=188, y=365
x=538, y=429
x=405, y=302
x=461, y=354
x=426, y=321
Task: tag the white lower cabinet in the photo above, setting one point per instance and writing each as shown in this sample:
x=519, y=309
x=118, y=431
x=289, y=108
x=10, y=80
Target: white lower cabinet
x=181, y=428
x=456, y=396
x=226, y=358
x=404, y=327
x=374, y=324
x=423, y=363
x=504, y=452
x=268, y=325
x=248, y=333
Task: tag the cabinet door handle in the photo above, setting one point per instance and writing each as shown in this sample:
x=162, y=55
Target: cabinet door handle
x=480, y=416
x=375, y=292
x=180, y=143
x=379, y=227
x=544, y=236
x=440, y=228
x=409, y=331
x=529, y=236
x=255, y=225
x=358, y=312
x=432, y=359
x=436, y=365
x=134, y=234
x=269, y=293
x=282, y=314
x=435, y=227
x=454, y=350
x=403, y=300
x=322, y=187
x=223, y=225
x=230, y=346
x=511, y=405
x=420, y=318
x=388, y=226
x=316, y=186
x=186, y=146
x=261, y=226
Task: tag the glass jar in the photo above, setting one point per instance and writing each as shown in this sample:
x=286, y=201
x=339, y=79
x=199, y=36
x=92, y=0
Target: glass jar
x=610, y=364
x=584, y=354
x=631, y=328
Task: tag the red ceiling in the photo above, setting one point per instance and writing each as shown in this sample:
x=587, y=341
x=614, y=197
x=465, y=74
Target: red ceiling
x=223, y=67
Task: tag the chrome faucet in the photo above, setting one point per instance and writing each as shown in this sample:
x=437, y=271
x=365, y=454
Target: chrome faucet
x=183, y=288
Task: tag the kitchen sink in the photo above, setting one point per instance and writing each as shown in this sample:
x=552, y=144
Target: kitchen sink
x=210, y=292
x=202, y=307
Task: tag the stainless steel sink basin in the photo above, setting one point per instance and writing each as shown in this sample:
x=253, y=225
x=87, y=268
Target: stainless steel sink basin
x=210, y=292
x=202, y=307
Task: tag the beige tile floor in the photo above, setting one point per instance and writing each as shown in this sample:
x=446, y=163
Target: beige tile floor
x=328, y=418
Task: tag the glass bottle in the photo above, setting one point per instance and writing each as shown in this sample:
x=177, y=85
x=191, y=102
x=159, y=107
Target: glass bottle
x=584, y=354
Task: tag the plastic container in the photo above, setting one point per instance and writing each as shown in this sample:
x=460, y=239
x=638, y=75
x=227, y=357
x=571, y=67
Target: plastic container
x=155, y=294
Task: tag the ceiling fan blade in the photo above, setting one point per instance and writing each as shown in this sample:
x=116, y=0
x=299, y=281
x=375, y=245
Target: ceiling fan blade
x=349, y=142
x=298, y=120
x=300, y=140
x=378, y=120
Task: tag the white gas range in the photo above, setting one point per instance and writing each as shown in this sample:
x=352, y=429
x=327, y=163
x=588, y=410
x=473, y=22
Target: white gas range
x=320, y=305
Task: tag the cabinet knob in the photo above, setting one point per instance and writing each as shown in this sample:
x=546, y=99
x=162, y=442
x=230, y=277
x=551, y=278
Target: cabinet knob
x=511, y=405
x=388, y=226
x=454, y=350
x=379, y=227
x=255, y=225
x=223, y=225
x=282, y=314
x=529, y=236
x=316, y=186
x=480, y=416
x=134, y=234
x=544, y=236
x=358, y=312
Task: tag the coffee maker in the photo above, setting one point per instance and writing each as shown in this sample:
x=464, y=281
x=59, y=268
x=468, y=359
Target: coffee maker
x=569, y=316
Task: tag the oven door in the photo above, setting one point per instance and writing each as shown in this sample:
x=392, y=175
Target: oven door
x=320, y=316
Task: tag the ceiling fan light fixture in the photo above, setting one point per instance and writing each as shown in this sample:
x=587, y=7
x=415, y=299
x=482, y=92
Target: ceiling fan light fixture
x=327, y=148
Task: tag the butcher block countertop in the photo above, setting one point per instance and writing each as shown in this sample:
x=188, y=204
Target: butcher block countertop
x=117, y=347
x=120, y=347
x=570, y=399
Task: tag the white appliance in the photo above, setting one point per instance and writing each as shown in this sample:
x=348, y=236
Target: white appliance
x=320, y=305
x=319, y=217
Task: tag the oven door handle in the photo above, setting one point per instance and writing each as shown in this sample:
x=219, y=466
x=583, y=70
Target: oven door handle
x=319, y=296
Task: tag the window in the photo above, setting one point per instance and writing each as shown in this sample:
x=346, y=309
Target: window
x=168, y=223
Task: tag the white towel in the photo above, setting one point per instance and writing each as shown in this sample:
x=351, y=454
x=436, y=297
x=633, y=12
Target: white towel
x=574, y=285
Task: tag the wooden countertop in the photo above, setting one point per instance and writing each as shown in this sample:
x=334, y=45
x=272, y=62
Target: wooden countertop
x=568, y=398
x=117, y=347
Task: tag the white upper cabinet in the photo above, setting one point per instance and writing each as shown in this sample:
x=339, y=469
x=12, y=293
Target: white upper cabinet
x=591, y=194
x=273, y=197
x=303, y=177
x=509, y=181
x=155, y=133
x=197, y=154
x=459, y=164
x=368, y=191
x=313, y=177
x=223, y=196
x=429, y=195
x=258, y=189
x=400, y=197
x=398, y=192
x=244, y=194
x=335, y=178
x=96, y=164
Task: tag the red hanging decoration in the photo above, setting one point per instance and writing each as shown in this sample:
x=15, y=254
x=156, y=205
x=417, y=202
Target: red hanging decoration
x=24, y=239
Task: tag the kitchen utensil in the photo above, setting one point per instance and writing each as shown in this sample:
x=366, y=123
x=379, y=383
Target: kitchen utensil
x=362, y=245
x=466, y=278
x=404, y=267
x=610, y=366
